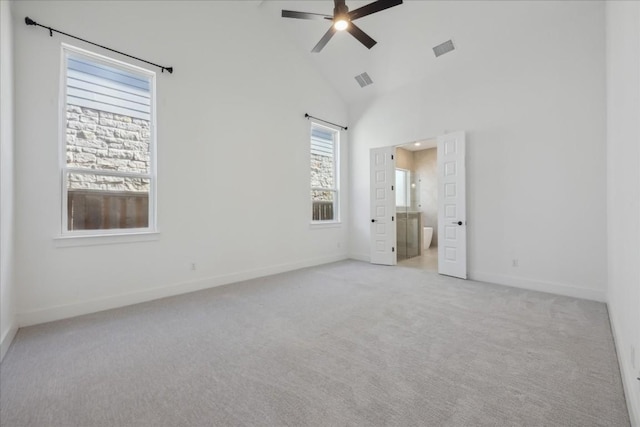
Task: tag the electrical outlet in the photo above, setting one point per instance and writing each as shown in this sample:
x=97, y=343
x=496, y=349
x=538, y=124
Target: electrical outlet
x=193, y=266
x=514, y=262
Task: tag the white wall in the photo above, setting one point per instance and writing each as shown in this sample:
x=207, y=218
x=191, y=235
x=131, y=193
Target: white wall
x=233, y=154
x=529, y=89
x=623, y=189
x=8, y=325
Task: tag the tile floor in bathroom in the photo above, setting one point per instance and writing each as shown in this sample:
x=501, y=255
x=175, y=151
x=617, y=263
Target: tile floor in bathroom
x=427, y=261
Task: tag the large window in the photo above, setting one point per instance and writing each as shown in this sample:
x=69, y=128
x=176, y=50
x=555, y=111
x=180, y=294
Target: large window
x=108, y=167
x=324, y=173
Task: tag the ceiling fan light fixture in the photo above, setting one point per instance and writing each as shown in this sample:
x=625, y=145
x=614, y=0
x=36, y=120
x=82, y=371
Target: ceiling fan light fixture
x=341, y=24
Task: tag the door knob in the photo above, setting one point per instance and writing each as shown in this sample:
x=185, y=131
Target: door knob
x=373, y=220
x=457, y=222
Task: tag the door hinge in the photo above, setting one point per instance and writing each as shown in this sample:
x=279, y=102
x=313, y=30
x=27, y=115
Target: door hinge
x=392, y=218
x=392, y=157
x=393, y=249
x=392, y=188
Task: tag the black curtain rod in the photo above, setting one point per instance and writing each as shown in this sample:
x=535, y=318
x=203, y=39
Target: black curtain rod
x=30, y=21
x=308, y=116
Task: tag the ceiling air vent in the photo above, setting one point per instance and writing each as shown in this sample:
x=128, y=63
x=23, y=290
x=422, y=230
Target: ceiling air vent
x=363, y=79
x=443, y=48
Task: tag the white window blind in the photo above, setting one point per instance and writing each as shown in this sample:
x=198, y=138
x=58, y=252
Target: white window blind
x=322, y=142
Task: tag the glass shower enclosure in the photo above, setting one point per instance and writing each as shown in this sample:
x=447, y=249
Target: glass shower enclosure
x=409, y=218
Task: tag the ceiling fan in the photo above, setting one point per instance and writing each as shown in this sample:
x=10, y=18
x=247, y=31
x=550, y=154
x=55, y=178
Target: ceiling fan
x=343, y=20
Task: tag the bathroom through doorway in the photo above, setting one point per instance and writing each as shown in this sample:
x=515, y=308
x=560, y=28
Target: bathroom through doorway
x=417, y=204
x=449, y=233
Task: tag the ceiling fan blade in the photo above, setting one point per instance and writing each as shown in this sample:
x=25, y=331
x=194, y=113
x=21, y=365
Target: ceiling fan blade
x=361, y=35
x=304, y=15
x=374, y=7
x=324, y=40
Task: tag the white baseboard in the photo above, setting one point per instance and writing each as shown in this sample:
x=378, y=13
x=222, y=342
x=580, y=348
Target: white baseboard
x=629, y=382
x=541, y=286
x=519, y=282
x=50, y=314
x=360, y=257
x=7, y=339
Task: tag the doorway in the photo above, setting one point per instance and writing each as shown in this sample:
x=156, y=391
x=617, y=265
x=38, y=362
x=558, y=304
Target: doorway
x=451, y=229
x=417, y=205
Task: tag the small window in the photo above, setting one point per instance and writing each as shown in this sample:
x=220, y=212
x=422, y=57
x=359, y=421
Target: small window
x=108, y=172
x=402, y=195
x=324, y=173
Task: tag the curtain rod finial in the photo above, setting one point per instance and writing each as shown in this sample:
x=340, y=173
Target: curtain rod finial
x=29, y=21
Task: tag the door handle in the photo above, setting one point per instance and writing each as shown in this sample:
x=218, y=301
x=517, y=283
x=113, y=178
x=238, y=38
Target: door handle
x=457, y=222
x=374, y=220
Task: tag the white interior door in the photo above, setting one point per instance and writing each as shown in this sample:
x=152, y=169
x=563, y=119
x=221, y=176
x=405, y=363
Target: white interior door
x=452, y=209
x=383, y=206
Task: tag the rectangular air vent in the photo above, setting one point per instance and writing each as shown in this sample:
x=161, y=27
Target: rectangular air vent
x=443, y=48
x=363, y=79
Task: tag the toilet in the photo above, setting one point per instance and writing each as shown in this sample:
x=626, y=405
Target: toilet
x=427, y=234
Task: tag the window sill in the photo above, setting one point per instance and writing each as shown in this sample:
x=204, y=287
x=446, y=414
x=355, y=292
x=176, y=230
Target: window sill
x=105, y=239
x=325, y=224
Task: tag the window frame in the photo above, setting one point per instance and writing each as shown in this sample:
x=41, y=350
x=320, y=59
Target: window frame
x=69, y=50
x=336, y=175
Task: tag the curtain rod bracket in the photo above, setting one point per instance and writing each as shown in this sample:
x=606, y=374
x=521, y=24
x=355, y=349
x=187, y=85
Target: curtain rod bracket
x=30, y=21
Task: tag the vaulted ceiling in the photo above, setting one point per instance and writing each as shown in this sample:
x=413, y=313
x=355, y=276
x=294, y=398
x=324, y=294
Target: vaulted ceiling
x=406, y=35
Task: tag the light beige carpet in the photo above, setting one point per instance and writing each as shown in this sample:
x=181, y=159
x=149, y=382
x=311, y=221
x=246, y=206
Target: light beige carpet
x=343, y=344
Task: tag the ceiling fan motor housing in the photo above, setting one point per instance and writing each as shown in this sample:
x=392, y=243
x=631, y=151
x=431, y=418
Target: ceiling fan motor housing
x=341, y=11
